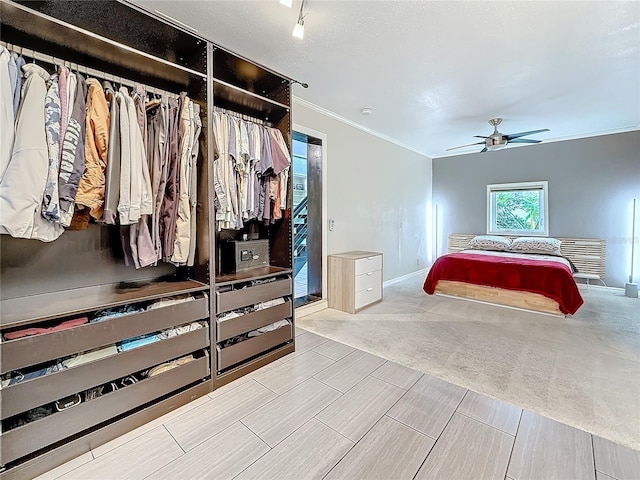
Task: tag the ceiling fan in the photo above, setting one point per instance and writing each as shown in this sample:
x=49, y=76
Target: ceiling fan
x=498, y=140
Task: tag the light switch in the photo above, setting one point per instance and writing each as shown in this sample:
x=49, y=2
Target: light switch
x=332, y=223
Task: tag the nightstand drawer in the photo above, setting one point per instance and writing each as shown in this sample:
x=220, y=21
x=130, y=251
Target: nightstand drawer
x=368, y=296
x=368, y=264
x=367, y=280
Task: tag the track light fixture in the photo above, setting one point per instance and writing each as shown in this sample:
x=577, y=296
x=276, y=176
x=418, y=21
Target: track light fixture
x=298, y=30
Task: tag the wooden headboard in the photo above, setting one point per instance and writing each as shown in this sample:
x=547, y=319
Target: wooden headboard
x=587, y=254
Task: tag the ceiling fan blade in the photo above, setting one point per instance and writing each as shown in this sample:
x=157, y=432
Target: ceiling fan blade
x=462, y=146
x=479, y=136
x=522, y=134
x=524, y=140
x=484, y=150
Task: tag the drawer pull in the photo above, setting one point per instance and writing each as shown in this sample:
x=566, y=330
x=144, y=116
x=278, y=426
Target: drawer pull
x=369, y=289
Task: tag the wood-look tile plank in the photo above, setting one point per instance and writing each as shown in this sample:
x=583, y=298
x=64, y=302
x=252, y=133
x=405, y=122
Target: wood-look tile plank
x=300, y=331
x=287, y=375
x=500, y=415
x=304, y=343
x=66, y=467
x=397, y=375
x=390, y=450
x=221, y=457
x=602, y=476
x=235, y=384
x=360, y=408
x=207, y=420
x=310, y=452
x=468, y=449
x=545, y=448
x=615, y=460
x=147, y=427
x=428, y=405
x=281, y=417
x=334, y=350
x=133, y=460
x=345, y=373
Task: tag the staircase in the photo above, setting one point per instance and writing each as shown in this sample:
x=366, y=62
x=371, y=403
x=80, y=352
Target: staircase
x=300, y=235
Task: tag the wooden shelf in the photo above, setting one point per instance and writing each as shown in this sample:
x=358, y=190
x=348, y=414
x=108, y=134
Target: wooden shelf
x=47, y=306
x=253, y=274
x=237, y=99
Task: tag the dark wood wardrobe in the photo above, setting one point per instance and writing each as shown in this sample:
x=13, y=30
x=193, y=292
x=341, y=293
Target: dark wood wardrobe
x=83, y=272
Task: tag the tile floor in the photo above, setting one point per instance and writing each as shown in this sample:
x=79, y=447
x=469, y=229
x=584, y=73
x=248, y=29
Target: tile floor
x=331, y=411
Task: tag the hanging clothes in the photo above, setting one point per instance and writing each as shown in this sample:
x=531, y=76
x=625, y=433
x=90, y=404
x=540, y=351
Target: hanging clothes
x=51, y=200
x=73, y=149
x=112, y=172
x=90, y=197
x=25, y=178
x=193, y=184
x=183, y=217
x=7, y=119
x=171, y=193
x=17, y=89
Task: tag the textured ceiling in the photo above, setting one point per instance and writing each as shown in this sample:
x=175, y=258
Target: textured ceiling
x=434, y=72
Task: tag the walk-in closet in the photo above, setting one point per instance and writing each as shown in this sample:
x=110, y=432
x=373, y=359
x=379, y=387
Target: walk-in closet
x=176, y=276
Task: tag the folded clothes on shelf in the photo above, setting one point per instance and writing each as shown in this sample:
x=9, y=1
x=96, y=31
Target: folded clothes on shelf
x=175, y=331
x=268, y=328
x=166, y=302
x=18, y=376
x=90, y=356
x=115, y=312
x=163, y=367
x=136, y=342
x=28, y=332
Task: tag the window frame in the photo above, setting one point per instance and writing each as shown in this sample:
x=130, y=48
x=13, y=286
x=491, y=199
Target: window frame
x=503, y=187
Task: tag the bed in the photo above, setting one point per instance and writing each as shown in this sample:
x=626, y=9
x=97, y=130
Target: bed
x=540, y=283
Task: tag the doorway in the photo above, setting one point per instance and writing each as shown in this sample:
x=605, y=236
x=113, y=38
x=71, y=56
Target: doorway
x=307, y=218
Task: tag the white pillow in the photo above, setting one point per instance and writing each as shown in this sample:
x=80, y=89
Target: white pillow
x=490, y=242
x=548, y=246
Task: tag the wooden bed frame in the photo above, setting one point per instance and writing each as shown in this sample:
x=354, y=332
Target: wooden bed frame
x=587, y=254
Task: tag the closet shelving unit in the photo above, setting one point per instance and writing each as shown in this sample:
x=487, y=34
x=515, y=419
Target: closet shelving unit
x=81, y=272
x=254, y=92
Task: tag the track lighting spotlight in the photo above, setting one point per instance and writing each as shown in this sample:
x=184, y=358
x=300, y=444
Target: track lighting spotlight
x=298, y=30
x=286, y=3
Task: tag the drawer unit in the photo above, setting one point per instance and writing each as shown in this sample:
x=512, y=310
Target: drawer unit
x=29, y=394
x=239, y=325
x=239, y=298
x=234, y=354
x=22, y=352
x=355, y=280
x=38, y=434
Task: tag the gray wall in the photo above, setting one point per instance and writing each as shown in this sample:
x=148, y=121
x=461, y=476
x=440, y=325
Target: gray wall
x=377, y=192
x=592, y=182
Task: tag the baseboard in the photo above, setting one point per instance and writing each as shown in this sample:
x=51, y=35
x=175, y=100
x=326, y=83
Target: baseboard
x=310, y=308
x=405, y=277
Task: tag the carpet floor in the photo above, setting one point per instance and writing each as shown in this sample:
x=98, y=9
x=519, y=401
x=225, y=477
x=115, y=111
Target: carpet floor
x=583, y=370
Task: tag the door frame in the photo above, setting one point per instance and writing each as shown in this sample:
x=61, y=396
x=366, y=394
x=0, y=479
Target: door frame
x=323, y=137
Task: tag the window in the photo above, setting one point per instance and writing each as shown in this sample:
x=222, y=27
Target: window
x=518, y=209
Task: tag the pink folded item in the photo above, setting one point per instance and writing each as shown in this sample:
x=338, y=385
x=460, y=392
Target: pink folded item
x=28, y=332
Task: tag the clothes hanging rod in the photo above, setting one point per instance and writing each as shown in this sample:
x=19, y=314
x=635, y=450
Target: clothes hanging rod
x=92, y=72
x=247, y=92
x=246, y=118
x=102, y=39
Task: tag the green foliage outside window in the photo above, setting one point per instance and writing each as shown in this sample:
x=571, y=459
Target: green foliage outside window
x=518, y=210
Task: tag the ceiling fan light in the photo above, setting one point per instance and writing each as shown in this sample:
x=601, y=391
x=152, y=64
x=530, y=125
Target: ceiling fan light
x=298, y=31
x=286, y=3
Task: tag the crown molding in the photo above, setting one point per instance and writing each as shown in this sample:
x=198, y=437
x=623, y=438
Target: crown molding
x=340, y=118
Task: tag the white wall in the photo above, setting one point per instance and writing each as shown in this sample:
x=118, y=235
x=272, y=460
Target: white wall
x=378, y=193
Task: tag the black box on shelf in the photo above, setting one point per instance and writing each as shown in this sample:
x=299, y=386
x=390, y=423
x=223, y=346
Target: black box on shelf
x=239, y=255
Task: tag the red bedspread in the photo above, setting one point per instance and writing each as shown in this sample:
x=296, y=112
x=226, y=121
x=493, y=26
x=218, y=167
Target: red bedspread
x=551, y=279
